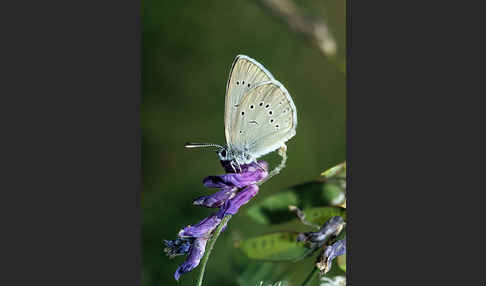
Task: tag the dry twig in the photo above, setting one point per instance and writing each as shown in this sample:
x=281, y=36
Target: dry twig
x=314, y=30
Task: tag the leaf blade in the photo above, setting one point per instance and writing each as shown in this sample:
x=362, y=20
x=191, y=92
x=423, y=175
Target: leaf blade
x=320, y=215
x=278, y=246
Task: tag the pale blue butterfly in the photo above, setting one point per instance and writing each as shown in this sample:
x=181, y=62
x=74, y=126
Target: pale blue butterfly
x=260, y=115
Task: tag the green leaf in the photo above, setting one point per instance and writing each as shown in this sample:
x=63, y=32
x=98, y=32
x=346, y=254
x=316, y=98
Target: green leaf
x=322, y=214
x=274, y=209
x=341, y=262
x=336, y=171
x=279, y=246
x=333, y=194
x=327, y=191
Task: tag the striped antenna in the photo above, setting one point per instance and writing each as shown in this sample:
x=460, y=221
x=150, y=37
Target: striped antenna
x=197, y=145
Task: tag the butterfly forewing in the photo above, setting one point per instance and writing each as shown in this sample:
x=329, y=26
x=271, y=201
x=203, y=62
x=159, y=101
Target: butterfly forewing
x=245, y=74
x=266, y=118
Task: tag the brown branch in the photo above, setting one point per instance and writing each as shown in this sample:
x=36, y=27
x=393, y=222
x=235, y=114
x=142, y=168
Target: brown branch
x=314, y=30
x=300, y=214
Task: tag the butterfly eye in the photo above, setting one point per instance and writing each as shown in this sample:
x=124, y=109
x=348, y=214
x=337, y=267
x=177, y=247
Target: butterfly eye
x=223, y=153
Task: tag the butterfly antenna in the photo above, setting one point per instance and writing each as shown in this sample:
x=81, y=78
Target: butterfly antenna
x=197, y=145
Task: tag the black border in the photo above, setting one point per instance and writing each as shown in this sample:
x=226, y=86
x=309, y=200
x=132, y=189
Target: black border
x=409, y=80
x=71, y=100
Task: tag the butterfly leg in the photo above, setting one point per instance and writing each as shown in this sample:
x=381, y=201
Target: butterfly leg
x=283, y=153
x=232, y=163
x=236, y=164
x=260, y=166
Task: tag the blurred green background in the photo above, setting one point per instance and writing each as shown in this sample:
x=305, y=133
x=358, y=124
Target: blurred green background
x=187, y=50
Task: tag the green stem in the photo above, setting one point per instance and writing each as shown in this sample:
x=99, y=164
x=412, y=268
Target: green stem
x=283, y=153
x=210, y=246
x=310, y=277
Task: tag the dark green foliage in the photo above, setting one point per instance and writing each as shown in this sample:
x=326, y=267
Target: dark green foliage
x=279, y=246
x=322, y=214
x=318, y=200
x=274, y=209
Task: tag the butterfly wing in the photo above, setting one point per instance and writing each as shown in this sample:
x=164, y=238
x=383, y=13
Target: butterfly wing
x=266, y=118
x=245, y=73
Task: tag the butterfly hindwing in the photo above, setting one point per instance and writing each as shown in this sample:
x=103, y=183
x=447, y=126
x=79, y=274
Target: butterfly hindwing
x=265, y=119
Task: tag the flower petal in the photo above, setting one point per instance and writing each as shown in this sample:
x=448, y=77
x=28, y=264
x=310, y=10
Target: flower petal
x=238, y=180
x=195, y=254
x=331, y=228
x=328, y=255
x=215, y=200
x=202, y=228
x=244, y=196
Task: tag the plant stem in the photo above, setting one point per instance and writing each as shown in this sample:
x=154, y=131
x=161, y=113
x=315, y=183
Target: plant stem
x=283, y=153
x=310, y=277
x=210, y=246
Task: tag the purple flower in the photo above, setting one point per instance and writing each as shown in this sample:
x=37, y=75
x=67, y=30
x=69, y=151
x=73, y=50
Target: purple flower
x=330, y=229
x=244, y=196
x=177, y=246
x=336, y=249
x=331, y=252
x=230, y=183
x=251, y=174
x=202, y=228
x=196, y=252
x=236, y=189
x=217, y=199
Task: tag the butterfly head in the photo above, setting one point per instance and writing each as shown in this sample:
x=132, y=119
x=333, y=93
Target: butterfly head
x=223, y=152
x=236, y=157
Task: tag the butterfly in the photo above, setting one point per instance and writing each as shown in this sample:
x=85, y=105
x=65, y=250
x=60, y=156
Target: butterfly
x=260, y=116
